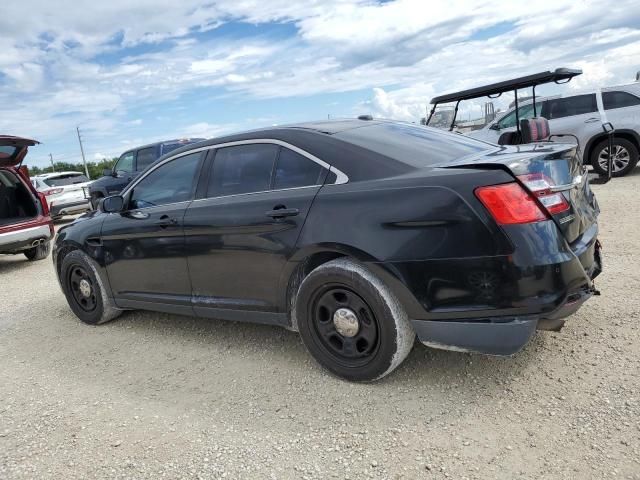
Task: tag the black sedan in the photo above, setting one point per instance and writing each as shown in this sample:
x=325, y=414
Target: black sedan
x=359, y=234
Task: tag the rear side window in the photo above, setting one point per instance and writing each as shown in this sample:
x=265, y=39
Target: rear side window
x=569, y=106
x=242, y=169
x=64, y=180
x=294, y=170
x=412, y=144
x=613, y=100
x=145, y=157
x=172, y=182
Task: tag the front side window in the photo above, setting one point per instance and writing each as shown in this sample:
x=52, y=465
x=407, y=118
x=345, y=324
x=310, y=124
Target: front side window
x=172, y=182
x=524, y=112
x=242, y=169
x=611, y=100
x=146, y=157
x=294, y=170
x=125, y=164
x=569, y=106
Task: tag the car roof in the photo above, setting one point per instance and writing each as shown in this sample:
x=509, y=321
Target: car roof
x=186, y=141
x=330, y=140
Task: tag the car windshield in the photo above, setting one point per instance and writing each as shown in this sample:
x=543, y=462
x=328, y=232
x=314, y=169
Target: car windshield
x=412, y=144
x=67, y=179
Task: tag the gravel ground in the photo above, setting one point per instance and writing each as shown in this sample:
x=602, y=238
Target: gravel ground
x=164, y=396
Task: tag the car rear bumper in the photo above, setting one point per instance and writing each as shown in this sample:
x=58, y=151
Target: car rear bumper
x=24, y=239
x=493, y=305
x=497, y=335
x=69, y=208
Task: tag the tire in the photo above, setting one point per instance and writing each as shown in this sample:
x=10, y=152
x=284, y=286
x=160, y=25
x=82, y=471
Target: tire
x=89, y=300
x=351, y=323
x=625, y=159
x=38, y=253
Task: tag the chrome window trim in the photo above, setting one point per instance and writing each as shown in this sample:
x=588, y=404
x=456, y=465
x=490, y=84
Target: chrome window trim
x=341, y=177
x=255, y=193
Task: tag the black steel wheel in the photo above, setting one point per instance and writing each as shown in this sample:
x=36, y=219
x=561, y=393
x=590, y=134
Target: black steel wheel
x=345, y=325
x=351, y=322
x=84, y=289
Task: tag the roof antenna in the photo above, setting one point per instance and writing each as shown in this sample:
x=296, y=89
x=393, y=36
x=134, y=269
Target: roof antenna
x=638, y=76
x=365, y=117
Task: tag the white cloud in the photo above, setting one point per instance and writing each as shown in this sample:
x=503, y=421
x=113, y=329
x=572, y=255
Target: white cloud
x=77, y=62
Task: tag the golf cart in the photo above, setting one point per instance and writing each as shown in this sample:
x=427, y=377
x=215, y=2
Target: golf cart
x=528, y=130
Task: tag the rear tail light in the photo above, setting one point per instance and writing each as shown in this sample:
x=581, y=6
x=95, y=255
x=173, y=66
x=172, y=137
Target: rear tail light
x=542, y=187
x=509, y=204
x=53, y=191
x=45, y=205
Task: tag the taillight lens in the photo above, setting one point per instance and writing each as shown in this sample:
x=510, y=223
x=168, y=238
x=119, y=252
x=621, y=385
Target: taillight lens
x=53, y=191
x=540, y=185
x=45, y=205
x=509, y=204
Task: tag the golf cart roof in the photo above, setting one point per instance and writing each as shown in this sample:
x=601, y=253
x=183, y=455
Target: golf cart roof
x=559, y=75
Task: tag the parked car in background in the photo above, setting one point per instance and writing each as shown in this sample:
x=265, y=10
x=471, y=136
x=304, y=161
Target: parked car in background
x=64, y=192
x=25, y=224
x=582, y=115
x=359, y=234
x=129, y=166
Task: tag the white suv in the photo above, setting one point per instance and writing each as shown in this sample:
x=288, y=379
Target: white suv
x=63, y=191
x=582, y=115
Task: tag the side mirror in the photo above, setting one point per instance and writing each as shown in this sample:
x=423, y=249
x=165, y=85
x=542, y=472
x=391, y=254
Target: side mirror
x=112, y=204
x=494, y=126
x=107, y=172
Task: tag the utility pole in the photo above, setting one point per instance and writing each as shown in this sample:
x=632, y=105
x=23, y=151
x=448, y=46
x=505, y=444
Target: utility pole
x=84, y=160
x=53, y=167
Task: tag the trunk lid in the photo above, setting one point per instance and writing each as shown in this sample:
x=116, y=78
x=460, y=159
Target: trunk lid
x=14, y=149
x=548, y=171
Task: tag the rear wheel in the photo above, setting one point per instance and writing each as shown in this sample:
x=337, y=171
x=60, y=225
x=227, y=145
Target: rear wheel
x=351, y=322
x=625, y=157
x=38, y=253
x=85, y=291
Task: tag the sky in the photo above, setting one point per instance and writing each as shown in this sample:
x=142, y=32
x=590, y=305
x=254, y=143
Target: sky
x=129, y=73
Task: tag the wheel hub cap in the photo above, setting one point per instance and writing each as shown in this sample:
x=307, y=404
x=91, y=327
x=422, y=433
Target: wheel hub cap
x=346, y=322
x=85, y=288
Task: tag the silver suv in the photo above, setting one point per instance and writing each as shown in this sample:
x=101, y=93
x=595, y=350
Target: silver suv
x=583, y=115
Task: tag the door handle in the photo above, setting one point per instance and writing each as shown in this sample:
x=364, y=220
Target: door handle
x=592, y=120
x=165, y=221
x=282, y=212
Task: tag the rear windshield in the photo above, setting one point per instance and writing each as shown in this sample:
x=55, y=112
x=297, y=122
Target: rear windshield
x=7, y=151
x=412, y=144
x=63, y=180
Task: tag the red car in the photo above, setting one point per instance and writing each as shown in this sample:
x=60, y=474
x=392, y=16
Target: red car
x=25, y=224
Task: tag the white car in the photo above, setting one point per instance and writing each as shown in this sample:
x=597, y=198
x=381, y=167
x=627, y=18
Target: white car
x=583, y=115
x=64, y=192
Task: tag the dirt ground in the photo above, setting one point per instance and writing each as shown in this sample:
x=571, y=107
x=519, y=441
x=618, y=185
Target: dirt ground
x=163, y=396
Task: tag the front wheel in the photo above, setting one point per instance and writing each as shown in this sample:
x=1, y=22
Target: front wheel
x=351, y=322
x=85, y=291
x=625, y=157
x=38, y=253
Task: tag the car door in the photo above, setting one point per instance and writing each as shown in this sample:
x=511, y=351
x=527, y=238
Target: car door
x=144, y=244
x=576, y=115
x=622, y=108
x=241, y=233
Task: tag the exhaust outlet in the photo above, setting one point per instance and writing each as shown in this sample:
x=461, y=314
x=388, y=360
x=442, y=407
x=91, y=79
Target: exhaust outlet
x=38, y=242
